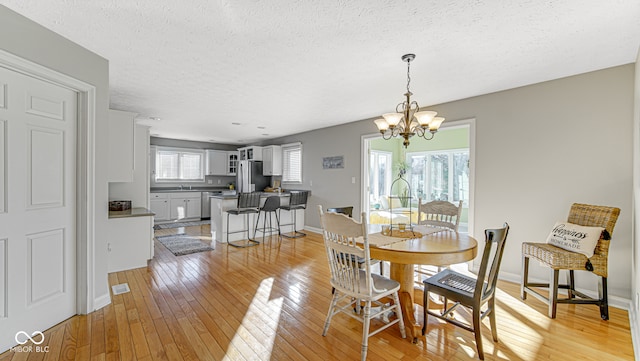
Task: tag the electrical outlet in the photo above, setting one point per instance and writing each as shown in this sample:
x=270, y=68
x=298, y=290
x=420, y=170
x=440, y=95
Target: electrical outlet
x=310, y=183
x=353, y=180
x=209, y=181
x=109, y=246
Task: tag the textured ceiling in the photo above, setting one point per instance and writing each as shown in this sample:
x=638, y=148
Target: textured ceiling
x=284, y=67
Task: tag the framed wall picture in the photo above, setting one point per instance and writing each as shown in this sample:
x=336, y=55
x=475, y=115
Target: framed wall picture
x=333, y=162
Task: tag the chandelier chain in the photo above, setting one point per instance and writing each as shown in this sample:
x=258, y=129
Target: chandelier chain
x=408, y=75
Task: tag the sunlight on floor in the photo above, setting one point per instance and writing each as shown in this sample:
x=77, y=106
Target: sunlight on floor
x=264, y=311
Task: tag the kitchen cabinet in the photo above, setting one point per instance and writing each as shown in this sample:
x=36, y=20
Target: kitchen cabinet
x=272, y=160
x=172, y=206
x=184, y=205
x=232, y=162
x=159, y=204
x=121, y=146
x=250, y=153
x=217, y=162
x=129, y=240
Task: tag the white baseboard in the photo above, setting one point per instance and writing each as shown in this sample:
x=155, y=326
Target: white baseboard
x=101, y=301
x=313, y=229
x=634, y=322
x=614, y=301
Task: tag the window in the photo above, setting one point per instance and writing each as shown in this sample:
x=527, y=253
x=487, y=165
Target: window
x=379, y=174
x=440, y=175
x=174, y=164
x=292, y=163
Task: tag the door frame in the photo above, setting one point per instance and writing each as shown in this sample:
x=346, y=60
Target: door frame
x=364, y=165
x=85, y=172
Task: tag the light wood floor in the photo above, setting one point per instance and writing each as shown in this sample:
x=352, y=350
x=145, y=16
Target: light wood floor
x=269, y=302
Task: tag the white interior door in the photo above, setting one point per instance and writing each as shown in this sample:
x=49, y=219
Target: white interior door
x=37, y=205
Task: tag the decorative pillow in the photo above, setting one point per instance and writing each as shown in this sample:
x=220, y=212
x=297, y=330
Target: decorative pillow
x=575, y=238
x=384, y=202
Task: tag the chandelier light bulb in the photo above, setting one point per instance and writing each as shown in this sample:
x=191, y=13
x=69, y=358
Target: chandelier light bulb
x=392, y=118
x=381, y=124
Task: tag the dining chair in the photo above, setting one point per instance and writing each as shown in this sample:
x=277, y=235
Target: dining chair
x=349, y=212
x=441, y=214
x=468, y=291
x=248, y=203
x=438, y=214
x=559, y=259
x=345, y=241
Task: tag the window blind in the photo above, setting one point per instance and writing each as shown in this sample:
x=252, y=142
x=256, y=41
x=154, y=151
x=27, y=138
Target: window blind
x=292, y=163
x=175, y=164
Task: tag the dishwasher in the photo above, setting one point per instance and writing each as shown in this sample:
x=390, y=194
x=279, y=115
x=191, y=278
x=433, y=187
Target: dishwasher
x=206, y=205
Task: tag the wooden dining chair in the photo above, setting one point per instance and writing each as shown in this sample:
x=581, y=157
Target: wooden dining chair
x=559, y=259
x=438, y=214
x=348, y=211
x=470, y=292
x=441, y=214
x=352, y=283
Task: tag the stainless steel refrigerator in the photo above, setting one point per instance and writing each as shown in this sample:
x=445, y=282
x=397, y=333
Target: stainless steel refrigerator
x=250, y=178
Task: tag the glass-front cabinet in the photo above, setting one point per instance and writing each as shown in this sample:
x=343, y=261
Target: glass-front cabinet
x=250, y=153
x=232, y=163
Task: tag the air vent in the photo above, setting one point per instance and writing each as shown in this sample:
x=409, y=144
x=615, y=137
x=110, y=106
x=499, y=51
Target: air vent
x=120, y=289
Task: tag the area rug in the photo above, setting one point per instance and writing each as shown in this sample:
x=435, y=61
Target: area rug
x=181, y=244
x=180, y=224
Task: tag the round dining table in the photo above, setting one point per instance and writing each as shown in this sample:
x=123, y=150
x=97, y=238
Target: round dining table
x=403, y=251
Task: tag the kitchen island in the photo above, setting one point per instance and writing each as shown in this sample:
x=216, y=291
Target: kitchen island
x=221, y=203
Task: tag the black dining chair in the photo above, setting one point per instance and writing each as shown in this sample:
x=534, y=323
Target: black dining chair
x=470, y=292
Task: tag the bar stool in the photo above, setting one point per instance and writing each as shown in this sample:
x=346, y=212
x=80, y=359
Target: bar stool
x=297, y=200
x=248, y=203
x=271, y=205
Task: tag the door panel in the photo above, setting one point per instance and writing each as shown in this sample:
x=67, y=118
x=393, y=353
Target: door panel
x=46, y=168
x=37, y=206
x=45, y=268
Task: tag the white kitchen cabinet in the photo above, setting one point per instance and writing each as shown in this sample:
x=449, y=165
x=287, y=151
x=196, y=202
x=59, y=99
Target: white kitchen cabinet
x=121, y=146
x=185, y=205
x=217, y=162
x=232, y=162
x=172, y=206
x=272, y=160
x=250, y=153
x=152, y=163
x=129, y=243
x=159, y=204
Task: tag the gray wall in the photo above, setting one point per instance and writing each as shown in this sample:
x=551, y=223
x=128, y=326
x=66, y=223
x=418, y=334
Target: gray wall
x=26, y=39
x=539, y=148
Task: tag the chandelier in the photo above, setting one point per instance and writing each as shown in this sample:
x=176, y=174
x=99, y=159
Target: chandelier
x=409, y=120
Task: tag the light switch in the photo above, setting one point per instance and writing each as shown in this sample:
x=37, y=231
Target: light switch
x=353, y=180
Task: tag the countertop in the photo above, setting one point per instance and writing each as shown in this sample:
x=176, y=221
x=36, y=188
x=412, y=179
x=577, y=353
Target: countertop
x=262, y=195
x=133, y=212
x=186, y=189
